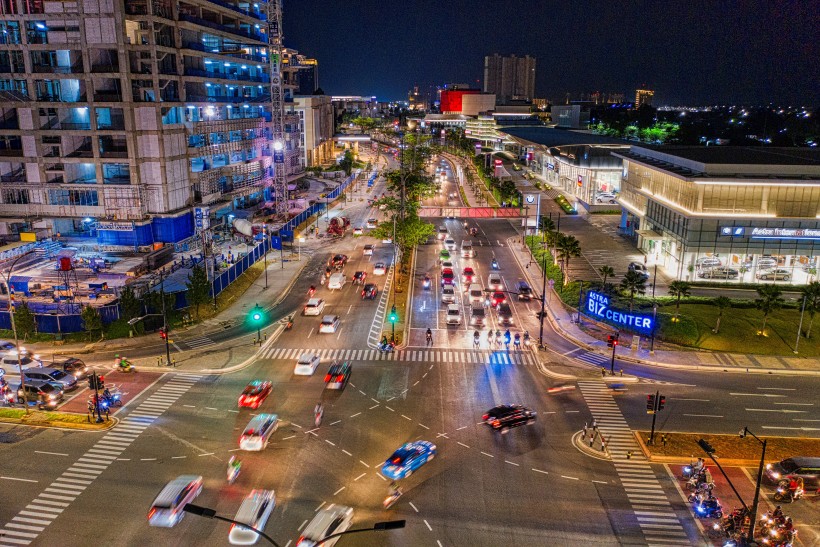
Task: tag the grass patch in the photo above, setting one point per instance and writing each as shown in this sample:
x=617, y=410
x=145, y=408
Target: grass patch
x=565, y=205
x=606, y=212
x=46, y=418
x=730, y=447
x=233, y=291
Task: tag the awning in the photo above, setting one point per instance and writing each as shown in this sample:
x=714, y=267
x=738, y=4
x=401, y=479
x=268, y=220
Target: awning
x=650, y=235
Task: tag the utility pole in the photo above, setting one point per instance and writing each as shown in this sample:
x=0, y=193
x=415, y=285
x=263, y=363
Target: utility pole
x=165, y=319
x=265, y=246
x=543, y=292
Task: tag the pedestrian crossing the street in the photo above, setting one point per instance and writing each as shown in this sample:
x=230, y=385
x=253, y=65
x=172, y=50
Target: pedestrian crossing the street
x=409, y=355
x=32, y=521
x=653, y=511
x=197, y=343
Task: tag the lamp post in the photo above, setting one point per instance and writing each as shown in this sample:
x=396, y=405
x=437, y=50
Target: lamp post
x=164, y=319
x=756, y=500
x=14, y=330
x=543, y=292
x=800, y=326
x=265, y=244
x=654, y=317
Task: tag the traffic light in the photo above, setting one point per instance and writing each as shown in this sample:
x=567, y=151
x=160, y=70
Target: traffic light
x=393, y=317
x=661, y=402
x=708, y=448
x=92, y=382
x=163, y=333
x=612, y=340
x=650, y=404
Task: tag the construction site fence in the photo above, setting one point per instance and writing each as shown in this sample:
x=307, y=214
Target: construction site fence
x=64, y=323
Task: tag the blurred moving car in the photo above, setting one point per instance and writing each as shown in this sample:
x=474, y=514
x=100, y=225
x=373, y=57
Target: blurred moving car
x=47, y=374
x=306, y=364
x=254, y=511
x=166, y=510
x=502, y=418
x=380, y=268
x=409, y=457
x=73, y=366
x=255, y=394
x=807, y=468
x=333, y=519
x=372, y=223
x=338, y=375
x=448, y=294
x=453, y=314
x=314, y=306
x=370, y=291
x=330, y=324
x=45, y=395
x=639, y=268
x=359, y=277
x=357, y=231
x=367, y=250
x=468, y=275
x=524, y=291
x=258, y=432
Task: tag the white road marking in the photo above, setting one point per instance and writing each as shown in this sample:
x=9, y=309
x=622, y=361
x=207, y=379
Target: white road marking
x=339, y=490
x=698, y=400
x=316, y=510
x=354, y=415
x=362, y=392
x=428, y=525
x=359, y=477
x=207, y=454
x=374, y=400
x=349, y=308
x=336, y=422
x=414, y=507
x=148, y=459
x=490, y=455
x=462, y=427
x=512, y=463
x=189, y=406
x=784, y=411
x=388, y=408
x=756, y=395
x=178, y=457
x=796, y=404
x=309, y=334
x=778, y=388
x=600, y=482
x=346, y=452
x=50, y=453
x=570, y=478
x=424, y=426
x=17, y=479
x=406, y=418
x=364, y=464
x=704, y=415
x=462, y=444
x=372, y=407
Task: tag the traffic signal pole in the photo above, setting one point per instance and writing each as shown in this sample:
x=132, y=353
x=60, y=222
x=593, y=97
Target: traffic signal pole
x=654, y=417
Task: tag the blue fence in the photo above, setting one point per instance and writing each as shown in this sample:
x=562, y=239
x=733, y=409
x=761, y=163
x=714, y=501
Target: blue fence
x=226, y=277
x=52, y=323
x=286, y=232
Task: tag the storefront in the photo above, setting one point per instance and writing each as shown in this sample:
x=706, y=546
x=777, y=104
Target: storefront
x=725, y=214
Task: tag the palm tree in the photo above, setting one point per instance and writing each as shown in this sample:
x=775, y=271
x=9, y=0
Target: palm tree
x=679, y=289
x=633, y=283
x=811, y=293
x=567, y=247
x=770, y=300
x=722, y=303
x=606, y=271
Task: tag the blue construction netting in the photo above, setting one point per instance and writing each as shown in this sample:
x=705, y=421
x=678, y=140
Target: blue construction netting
x=287, y=229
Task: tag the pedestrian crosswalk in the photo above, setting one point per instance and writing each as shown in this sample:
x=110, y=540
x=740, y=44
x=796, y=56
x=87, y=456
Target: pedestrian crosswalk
x=202, y=342
x=592, y=358
x=409, y=355
x=32, y=521
x=653, y=512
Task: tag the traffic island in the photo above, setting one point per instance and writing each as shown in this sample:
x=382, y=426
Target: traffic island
x=731, y=449
x=588, y=442
x=58, y=420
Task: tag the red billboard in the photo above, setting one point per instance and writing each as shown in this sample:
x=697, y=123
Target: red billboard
x=451, y=99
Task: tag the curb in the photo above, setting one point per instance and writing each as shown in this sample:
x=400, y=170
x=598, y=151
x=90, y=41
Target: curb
x=584, y=448
x=111, y=423
x=246, y=362
x=676, y=460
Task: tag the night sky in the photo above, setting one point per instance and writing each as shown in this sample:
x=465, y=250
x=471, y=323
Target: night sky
x=689, y=52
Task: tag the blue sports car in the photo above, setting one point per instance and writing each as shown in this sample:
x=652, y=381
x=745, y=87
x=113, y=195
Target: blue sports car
x=408, y=458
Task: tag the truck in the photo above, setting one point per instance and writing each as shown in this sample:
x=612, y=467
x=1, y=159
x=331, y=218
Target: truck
x=338, y=225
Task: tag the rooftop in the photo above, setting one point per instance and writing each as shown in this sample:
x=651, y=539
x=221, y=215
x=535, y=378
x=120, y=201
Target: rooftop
x=757, y=155
x=549, y=136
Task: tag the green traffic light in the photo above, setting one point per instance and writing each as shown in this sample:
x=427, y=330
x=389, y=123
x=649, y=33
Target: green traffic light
x=393, y=317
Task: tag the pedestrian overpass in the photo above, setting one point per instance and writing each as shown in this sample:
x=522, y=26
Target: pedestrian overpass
x=430, y=211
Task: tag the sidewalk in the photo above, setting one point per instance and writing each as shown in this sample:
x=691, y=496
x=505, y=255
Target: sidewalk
x=472, y=200
x=563, y=321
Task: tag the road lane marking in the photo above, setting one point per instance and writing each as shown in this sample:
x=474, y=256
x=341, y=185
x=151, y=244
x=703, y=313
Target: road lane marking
x=490, y=455
x=601, y=482
x=364, y=464
x=784, y=411
x=178, y=457
x=704, y=415
x=756, y=395
x=374, y=400
x=698, y=400
x=428, y=525
x=18, y=479
x=414, y=507
x=778, y=388
x=388, y=408
x=424, y=426
x=284, y=439
x=363, y=393
x=346, y=452
x=796, y=404
x=462, y=444
x=462, y=427
x=315, y=511
x=407, y=418
x=372, y=407
x=570, y=478
x=336, y=422
x=359, y=477
x=339, y=490
x=50, y=453
x=206, y=454
x=148, y=459
x=512, y=463
x=354, y=415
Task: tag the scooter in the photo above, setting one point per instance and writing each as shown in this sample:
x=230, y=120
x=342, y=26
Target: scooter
x=426, y=283
x=494, y=264
x=527, y=339
x=517, y=340
x=783, y=494
x=233, y=471
x=709, y=508
x=386, y=348
x=317, y=417
x=125, y=366
x=290, y=323
x=311, y=291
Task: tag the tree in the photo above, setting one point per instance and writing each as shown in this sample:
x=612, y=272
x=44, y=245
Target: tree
x=199, y=288
x=346, y=164
x=92, y=322
x=606, y=271
x=770, y=300
x=679, y=289
x=633, y=283
x=364, y=124
x=130, y=306
x=811, y=293
x=567, y=247
x=24, y=320
x=410, y=232
x=722, y=303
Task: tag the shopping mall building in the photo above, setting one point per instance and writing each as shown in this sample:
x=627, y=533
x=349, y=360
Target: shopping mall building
x=732, y=214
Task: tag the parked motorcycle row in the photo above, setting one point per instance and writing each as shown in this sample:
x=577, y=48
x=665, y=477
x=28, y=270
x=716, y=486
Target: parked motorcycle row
x=774, y=528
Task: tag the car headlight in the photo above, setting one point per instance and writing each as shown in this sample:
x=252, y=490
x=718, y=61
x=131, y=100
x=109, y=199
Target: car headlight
x=775, y=475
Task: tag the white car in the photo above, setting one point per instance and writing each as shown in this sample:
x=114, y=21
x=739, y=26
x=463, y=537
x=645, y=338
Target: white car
x=358, y=231
x=379, y=268
x=330, y=324
x=453, y=314
x=447, y=264
x=306, y=365
x=606, y=197
x=494, y=282
x=314, y=306
x=254, y=511
x=372, y=223
x=368, y=250
x=450, y=244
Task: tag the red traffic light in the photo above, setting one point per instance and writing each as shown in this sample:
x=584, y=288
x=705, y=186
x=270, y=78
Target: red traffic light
x=163, y=333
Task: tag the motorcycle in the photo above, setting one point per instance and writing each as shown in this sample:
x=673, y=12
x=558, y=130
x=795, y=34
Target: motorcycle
x=125, y=366
x=517, y=340
x=476, y=340
x=390, y=500
x=527, y=340
x=494, y=264
x=426, y=283
x=709, y=508
x=317, y=417
x=110, y=399
x=783, y=494
x=233, y=470
x=386, y=347
x=498, y=338
x=289, y=324
x=311, y=291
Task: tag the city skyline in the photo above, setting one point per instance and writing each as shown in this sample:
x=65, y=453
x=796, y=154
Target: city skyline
x=687, y=55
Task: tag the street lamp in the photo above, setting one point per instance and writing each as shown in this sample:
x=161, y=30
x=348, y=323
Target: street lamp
x=756, y=500
x=256, y=317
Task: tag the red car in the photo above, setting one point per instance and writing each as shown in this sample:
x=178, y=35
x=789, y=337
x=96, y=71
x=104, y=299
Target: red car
x=448, y=277
x=254, y=394
x=498, y=298
x=468, y=275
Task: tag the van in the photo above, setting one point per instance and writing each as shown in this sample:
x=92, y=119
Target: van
x=336, y=281
x=476, y=293
x=467, y=249
x=166, y=510
x=258, y=432
x=477, y=316
x=331, y=520
x=453, y=314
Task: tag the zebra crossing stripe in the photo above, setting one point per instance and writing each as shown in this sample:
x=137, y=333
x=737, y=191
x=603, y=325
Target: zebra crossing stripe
x=67, y=487
x=638, y=480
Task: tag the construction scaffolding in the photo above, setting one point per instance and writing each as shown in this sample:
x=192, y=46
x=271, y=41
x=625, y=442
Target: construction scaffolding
x=280, y=186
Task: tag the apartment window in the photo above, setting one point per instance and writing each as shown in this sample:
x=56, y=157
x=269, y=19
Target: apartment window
x=15, y=196
x=9, y=32
x=73, y=197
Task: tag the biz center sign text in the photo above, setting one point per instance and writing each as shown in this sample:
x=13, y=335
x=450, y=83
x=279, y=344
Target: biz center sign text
x=598, y=306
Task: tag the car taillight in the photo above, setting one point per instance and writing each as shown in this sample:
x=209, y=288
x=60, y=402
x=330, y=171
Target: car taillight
x=485, y=417
x=327, y=377
x=151, y=513
x=496, y=423
x=339, y=378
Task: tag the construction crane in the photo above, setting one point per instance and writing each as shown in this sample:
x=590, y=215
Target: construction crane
x=280, y=185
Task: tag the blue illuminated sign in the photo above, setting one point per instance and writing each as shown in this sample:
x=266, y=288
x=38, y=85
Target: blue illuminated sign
x=598, y=306
x=732, y=231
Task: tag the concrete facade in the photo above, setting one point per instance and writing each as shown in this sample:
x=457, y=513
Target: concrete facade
x=509, y=77
x=316, y=114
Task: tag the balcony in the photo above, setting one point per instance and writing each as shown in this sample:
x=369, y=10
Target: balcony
x=11, y=152
x=236, y=54
x=256, y=14
x=189, y=71
x=218, y=99
x=239, y=32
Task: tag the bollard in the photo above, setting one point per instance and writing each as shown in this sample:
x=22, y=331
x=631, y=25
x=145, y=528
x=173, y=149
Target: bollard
x=603, y=444
x=622, y=372
x=585, y=430
x=629, y=455
x=663, y=440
